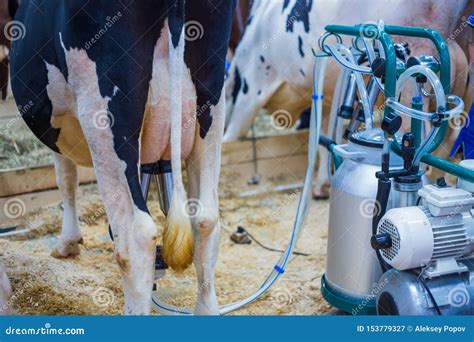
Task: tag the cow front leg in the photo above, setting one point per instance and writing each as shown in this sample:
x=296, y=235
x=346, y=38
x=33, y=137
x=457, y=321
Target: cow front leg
x=66, y=178
x=204, y=171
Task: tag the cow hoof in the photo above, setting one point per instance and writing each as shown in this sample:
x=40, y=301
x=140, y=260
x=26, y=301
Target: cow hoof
x=322, y=193
x=65, y=249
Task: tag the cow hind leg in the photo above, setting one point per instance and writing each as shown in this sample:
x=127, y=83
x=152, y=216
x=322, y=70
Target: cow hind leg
x=243, y=107
x=66, y=177
x=203, y=171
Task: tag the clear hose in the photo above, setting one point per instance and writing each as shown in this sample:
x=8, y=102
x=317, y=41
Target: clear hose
x=346, y=61
x=441, y=102
x=426, y=145
x=439, y=94
x=408, y=74
x=302, y=210
x=333, y=127
x=370, y=51
x=349, y=62
x=341, y=83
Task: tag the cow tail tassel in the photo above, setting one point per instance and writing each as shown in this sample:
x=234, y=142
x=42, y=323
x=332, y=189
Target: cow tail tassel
x=178, y=241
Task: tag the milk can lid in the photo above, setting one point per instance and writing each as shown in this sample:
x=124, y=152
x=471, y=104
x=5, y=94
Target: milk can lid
x=373, y=138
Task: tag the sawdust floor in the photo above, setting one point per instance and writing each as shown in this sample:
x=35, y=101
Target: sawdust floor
x=89, y=284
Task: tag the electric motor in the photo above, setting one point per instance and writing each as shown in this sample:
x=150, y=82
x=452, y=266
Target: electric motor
x=442, y=228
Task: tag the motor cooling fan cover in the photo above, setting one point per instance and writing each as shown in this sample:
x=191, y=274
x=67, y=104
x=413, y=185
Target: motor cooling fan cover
x=411, y=236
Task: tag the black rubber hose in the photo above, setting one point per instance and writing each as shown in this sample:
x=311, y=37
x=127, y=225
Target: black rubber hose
x=380, y=208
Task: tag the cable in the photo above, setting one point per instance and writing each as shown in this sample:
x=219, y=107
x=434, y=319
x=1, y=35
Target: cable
x=418, y=201
x=245, y=231
x=430, y=294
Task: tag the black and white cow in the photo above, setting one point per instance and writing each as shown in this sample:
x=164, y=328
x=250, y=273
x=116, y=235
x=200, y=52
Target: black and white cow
x=272, y=66
x=116, y=84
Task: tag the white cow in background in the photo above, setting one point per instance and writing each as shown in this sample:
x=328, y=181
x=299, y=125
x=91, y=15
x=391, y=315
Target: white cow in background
x=272, y=67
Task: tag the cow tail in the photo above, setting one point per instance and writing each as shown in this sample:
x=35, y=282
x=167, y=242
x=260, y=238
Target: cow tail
x=177, y=237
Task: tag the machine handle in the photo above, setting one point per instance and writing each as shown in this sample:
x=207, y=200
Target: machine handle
x=341, y=151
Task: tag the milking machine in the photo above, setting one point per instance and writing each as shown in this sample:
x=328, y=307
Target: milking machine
x=161, y=173
x=396, y=244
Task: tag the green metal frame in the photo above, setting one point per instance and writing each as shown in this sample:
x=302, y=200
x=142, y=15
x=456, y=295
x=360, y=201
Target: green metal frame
x=391, y=80
x=336, y=157
x=348, y=304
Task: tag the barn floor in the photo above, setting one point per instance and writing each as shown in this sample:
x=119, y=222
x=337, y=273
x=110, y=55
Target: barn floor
x=90, y=283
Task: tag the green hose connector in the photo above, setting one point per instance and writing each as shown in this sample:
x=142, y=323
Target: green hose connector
x=337, y=158
x=416, y=124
